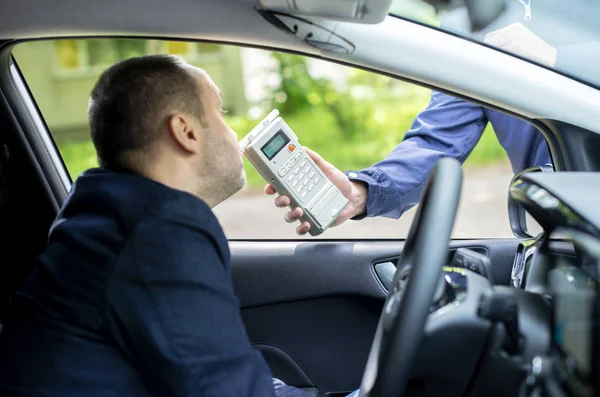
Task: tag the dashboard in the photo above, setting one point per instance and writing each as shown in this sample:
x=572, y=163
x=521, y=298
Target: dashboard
x=563, y=264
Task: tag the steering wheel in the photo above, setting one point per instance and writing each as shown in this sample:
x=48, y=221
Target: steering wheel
x=418, y=275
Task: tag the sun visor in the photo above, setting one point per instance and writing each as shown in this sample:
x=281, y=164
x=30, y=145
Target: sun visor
x=359, y=11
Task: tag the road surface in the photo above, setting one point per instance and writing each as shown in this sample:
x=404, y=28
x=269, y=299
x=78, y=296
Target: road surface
x=250, y=214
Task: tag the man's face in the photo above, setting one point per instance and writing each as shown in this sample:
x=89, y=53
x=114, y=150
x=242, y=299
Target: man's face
x=221, y=161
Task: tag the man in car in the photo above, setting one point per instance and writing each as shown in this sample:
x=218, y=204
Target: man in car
x=448, y=126
x=133, y=296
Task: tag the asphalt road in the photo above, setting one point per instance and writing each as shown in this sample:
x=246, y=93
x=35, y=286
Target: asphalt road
x=250, y=214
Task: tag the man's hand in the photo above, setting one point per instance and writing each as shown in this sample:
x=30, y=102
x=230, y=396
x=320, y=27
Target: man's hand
x=521, y=41
x=356, y=193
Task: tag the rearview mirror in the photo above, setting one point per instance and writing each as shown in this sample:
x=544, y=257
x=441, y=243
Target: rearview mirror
x=521, y=223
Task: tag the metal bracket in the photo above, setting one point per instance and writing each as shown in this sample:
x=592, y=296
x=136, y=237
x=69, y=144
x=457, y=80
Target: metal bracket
x=321, y=36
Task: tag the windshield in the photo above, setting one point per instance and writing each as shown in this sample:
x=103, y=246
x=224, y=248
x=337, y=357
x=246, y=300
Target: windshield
x=559, y=34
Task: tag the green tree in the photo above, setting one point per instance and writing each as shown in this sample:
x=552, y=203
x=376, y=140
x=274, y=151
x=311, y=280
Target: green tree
x=298, y=91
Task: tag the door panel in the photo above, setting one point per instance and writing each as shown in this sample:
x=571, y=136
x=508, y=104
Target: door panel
x=312, y=307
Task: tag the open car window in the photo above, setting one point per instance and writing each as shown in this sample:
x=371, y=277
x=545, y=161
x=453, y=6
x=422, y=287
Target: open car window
x=353, y=118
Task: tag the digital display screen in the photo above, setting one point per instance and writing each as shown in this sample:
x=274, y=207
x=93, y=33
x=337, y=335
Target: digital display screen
x=275, y=144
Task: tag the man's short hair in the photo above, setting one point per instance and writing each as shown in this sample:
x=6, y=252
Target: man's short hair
x=131, y=102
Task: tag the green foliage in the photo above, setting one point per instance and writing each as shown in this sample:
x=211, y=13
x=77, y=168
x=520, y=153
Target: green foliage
x=78, y=156
x=353, y=126
x=296, y=85
x=487, y=150
x=298, y=91
x=319, y=130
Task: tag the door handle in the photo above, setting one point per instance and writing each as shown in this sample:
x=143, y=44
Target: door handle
x=385, y=272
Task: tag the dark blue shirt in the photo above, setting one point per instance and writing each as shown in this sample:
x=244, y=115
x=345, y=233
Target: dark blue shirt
x=133, y=297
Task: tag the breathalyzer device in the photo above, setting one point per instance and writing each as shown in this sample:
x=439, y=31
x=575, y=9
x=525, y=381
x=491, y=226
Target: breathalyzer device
x=273, y=150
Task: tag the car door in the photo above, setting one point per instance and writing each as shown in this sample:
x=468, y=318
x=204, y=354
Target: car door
x=310, y=305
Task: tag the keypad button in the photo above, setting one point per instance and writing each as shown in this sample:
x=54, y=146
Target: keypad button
x=298, y=156
x=281, y=172
x=312, y=175
x=296, y=171
x=310, y=187
x=300, y=187
x=306, y=181
x=317, y=181
x=304, y=193
x=295, y=183
x=303, y=164
x=301, y=176
x=291, y=177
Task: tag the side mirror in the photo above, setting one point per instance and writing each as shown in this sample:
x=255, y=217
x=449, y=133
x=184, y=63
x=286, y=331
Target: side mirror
x=521, y=224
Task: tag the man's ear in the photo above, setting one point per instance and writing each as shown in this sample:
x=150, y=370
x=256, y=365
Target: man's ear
x=185, y=132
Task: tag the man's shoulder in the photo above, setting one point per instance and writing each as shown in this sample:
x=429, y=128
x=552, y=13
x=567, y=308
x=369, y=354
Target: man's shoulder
x=182, y=207
x=136, y=205
x=133, y=196
x=183, y=217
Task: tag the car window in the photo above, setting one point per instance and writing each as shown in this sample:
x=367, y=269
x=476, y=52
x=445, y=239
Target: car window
x=352, y=118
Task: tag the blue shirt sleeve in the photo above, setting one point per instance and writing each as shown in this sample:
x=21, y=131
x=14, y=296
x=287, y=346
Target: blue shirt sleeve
x=448, y=126
x=173, y=312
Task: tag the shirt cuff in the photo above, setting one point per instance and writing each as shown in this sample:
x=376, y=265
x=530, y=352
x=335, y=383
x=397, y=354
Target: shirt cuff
x=370, y=179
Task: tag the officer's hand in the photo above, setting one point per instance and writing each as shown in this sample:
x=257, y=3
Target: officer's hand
x=519, y=40
x=356, y=193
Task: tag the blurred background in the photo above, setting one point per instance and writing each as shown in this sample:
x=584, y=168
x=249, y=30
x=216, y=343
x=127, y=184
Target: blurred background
x=353, y=118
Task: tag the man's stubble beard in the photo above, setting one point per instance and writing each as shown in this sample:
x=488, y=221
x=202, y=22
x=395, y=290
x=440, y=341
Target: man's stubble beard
x=222, y=177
